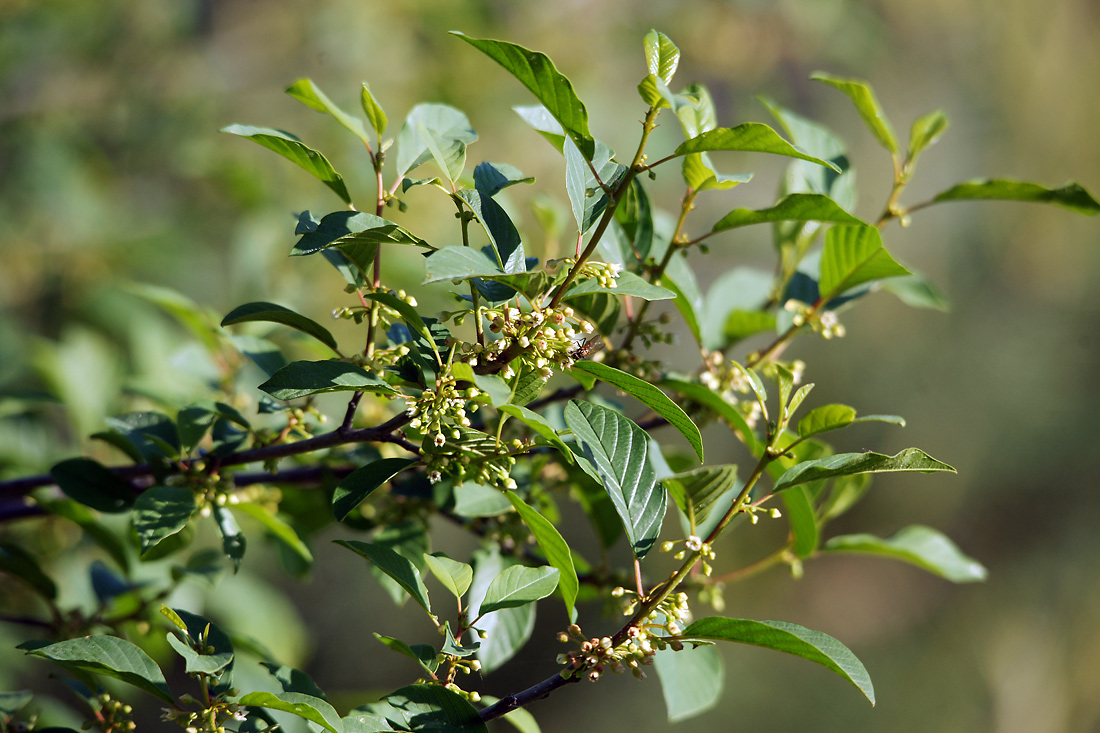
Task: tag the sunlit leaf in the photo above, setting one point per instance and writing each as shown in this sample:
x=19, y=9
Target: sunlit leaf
x=395, y=566
x=926, y=131
x=794, y=207
x=434, y=708
x=304, y=378
x=619, y=450
x=788, y=638
x=538, y=73
x=753, y=137
x=309, y=94
x=1072, y=196
x=107, y=655
x=696, y=491
x=863, y=97
x=272, y=313
x=661, y=55
x=518, y=586
x=161, y=511
x=854, y=254
x=295, y=151
x=917, y=545
x=313, y=709
x=845, y=464
x=454, y=575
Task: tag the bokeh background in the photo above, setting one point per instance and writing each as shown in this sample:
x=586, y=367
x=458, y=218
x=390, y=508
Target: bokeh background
x=112, y=172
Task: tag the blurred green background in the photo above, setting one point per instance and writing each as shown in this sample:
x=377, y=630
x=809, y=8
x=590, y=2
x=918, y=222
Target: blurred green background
x=112, y=172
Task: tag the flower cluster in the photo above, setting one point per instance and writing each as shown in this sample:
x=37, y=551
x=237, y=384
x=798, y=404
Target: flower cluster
x=605, y=274
x=599, y=654
x=823, y=322
x=543, y=338
x=693, y=544
x=437, y=410
x=469, y=455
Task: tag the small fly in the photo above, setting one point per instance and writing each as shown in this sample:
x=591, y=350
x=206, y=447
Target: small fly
x=584, y=348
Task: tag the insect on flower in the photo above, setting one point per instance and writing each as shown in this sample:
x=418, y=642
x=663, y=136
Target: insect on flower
x=584, y=348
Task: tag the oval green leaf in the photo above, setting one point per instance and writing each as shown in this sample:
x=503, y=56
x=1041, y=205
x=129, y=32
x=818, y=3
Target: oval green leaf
x=304, y=378
x=825, y=418
x=313, y=709
x=917, y=545
x=93, y=485
x=538, y=73
x=518, y=586
x=692, y=680
x=619, y=451
x=661, y=55
x=1072, y=196
x=627, y=283
x=272, y=313
x=846, y=464
x=752, y=137
x=795, y=207
x=295, y=151
x=454, y=575
x=309, y=94
x=788, y=638
x=111, y=656
x=434, y=708
x=863, y=97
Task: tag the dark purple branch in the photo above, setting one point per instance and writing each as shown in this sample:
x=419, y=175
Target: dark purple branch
x=508, y=703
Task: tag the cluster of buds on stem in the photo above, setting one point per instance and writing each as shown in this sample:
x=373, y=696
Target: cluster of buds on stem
x=823, y=322
x=438, y=411
x=605, y=274
x=692, y=544
x=211, y=719
x=544, y=339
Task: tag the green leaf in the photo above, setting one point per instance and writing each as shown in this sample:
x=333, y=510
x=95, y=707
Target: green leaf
x=696, y=111
x=756, y=384
x=661, y=55
x=635, y=215
x=538, y=73
x=825, y=418
x=12, y=702
x=309, y=94
x=454, y=575
x=295, y=151
x=408, y=312
x=917, y=545
x=863, y=97
x=355, y=233
x=650, y=396
x=1072, y=196
x=93, y=485
x=680, y=279
x=233, y=542
x=803, y=522
x=14, y=560
x=553, y=545
x=395, y=566
x=794, y=207
x=444, y=122
x=424, y=654
x=845, y=464
x=518, y=586
x=434, y=708
x=753, y=137
x=375, y=114
x=854, y=255
x=926, y=131
x=456, y=262
x=619, y=450
x=506, y=630
x=198, y=663
x=161, y=511
x=272, y=313
x=696, y=491
x=304, y=378
x=788, y=638
x=844, y=493
x=627, y=283
x=313, y=709
x=110, y=656
x=359, y=484
x=692, y=680
x=279, y=529
x=587, y=197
